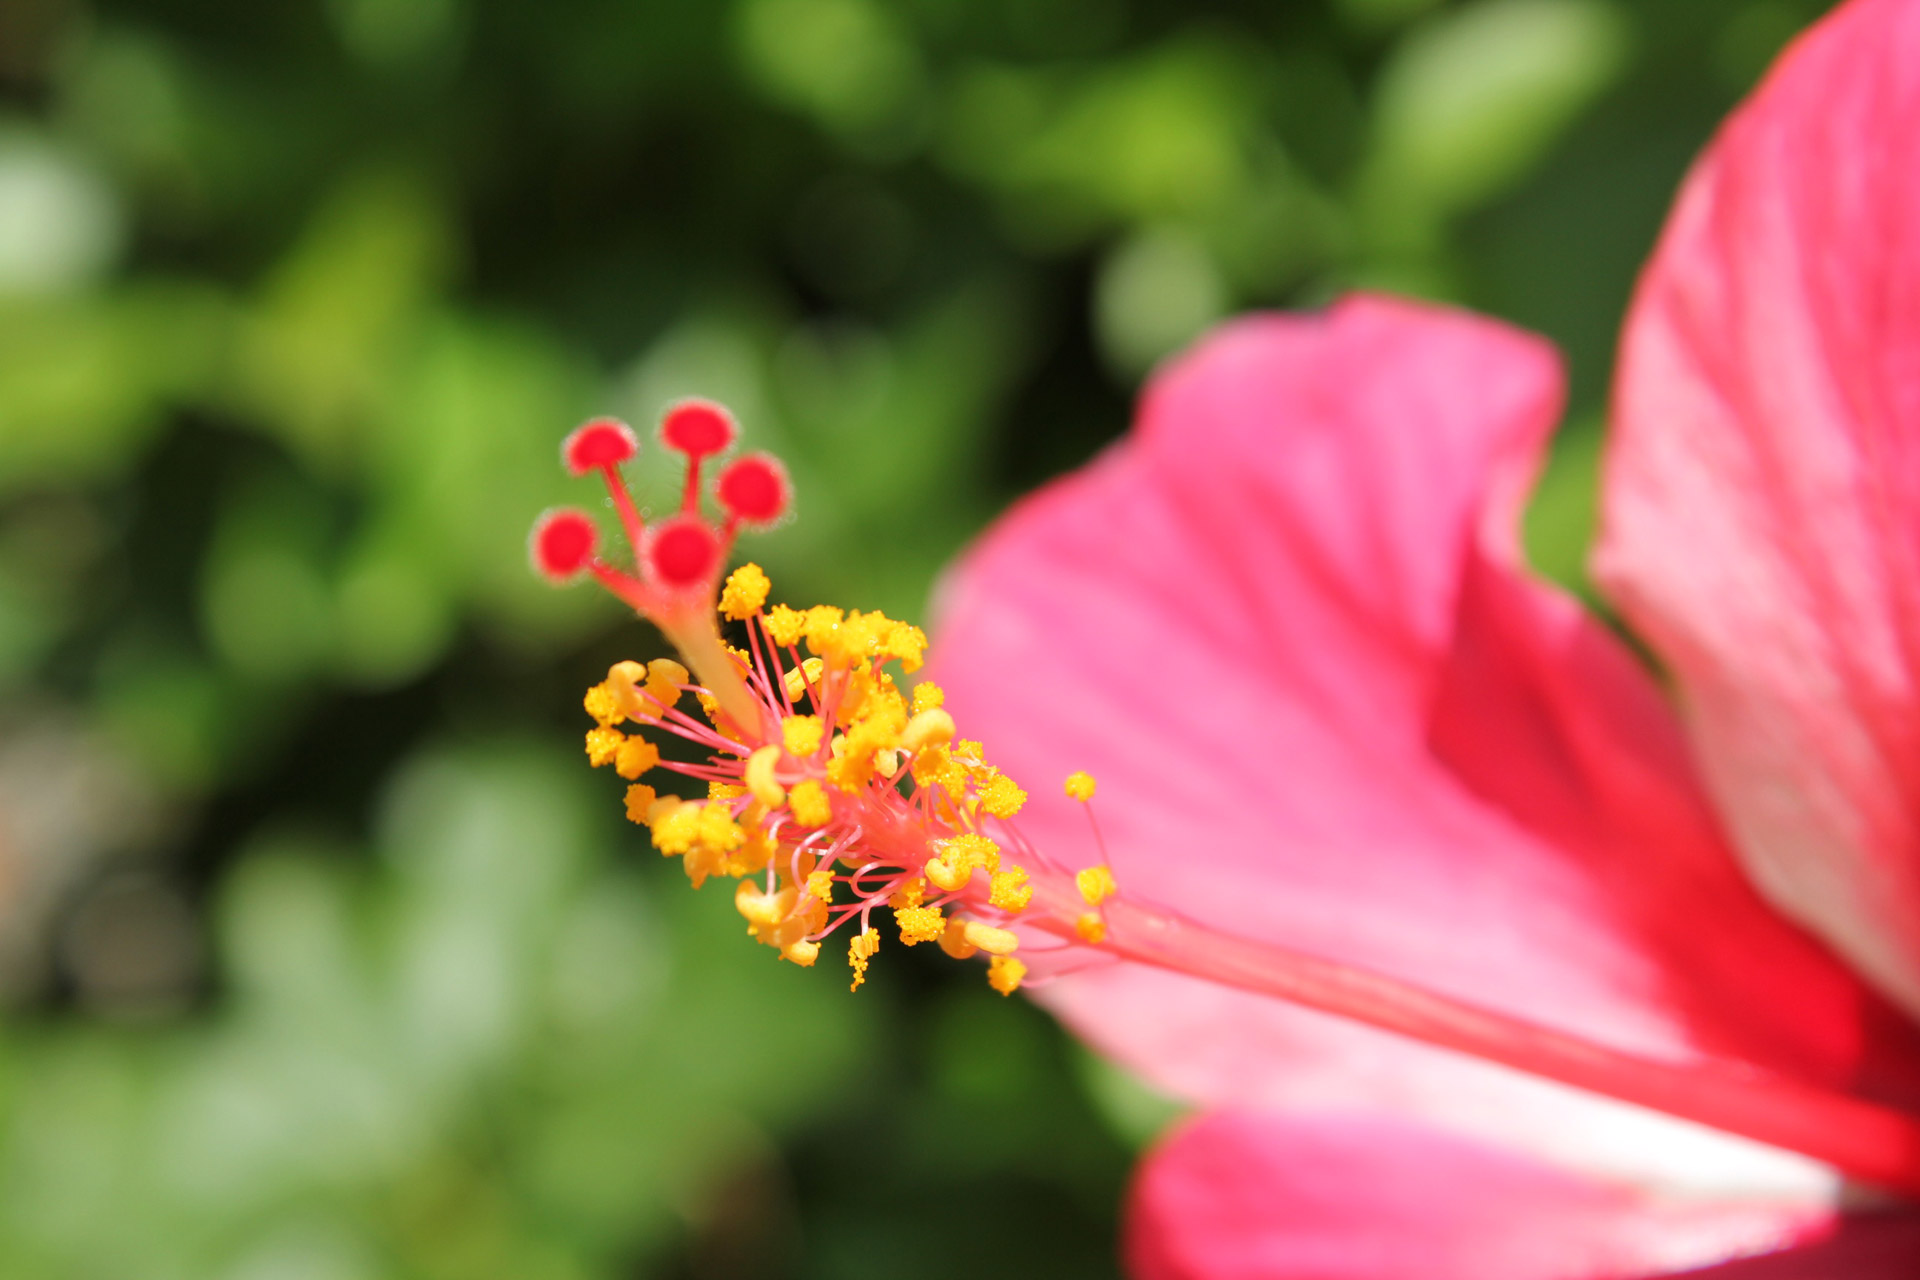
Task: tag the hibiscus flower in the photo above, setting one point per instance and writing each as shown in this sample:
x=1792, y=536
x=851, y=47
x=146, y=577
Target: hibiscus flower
x=1287, y=624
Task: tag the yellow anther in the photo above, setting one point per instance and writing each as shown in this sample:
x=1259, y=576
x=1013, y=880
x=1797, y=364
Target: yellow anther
x=849, y=773
x=859, y=952
x=676, y=830
x=1011, y=892
x=623, y=679
x=635, y=757
x=664, y=679
x=603, y=705
x=880, y=730
x=1091, y=928
x=785, y=625
x=798, y=678
x=745, y=592
x=884, y=708
x=820, y=885
x=809, y=804
x=927, y=695
x=702, y=862
x=809, y=917
x=1096, y=884
x=640, y=798
x=951, y=879
x=802, y=953
x=661, y=807
x=1004, y=974
x=856, y=757
x=920, y=924
x=1001, y=797
x=935, y=766
x=802, y=734
x=754, y=851
x=763, y=910
x=822, y=626
x=998, y=942
x=718, y=831
x=971, y=850
x=853, y=695
x=1080, y=786
x=759, y=777
x=603, y=745
x=851, y=640
x=927, y=728
x=718, y=790
x=953, y=940
x=910, y=894
x=905, y=642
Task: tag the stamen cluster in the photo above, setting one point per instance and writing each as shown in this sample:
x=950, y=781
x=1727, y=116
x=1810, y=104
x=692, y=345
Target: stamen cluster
x=834, y=795
x=852, y=800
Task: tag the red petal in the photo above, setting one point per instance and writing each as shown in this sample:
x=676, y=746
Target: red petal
x=1763, y=495
x=1259, y=1197
x=1283, y=626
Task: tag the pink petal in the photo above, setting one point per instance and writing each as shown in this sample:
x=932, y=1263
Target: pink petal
x=1762, y=506
x=1246, y=1196
x=1283, y=626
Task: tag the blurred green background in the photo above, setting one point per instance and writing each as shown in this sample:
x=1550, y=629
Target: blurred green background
x=323, y=955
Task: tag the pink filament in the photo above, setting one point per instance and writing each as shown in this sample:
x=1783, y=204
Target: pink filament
x=1873, y=1143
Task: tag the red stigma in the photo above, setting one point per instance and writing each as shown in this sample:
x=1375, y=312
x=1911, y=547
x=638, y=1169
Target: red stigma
x=698, y=428
x=677, y=560
x=755, y=489
x=683, y=552
x=563, y=543
x=601, y=442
